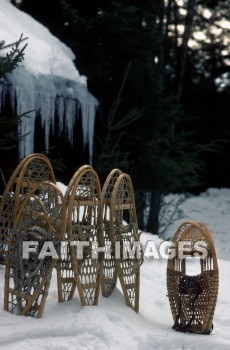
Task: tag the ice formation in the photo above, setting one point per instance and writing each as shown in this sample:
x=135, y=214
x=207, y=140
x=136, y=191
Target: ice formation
x=46, y=82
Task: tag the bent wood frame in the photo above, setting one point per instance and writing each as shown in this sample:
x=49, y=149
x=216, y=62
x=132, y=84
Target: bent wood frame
x=204, y=306
x=125, y=234
x=109, y=273
x=27, y=280
x=83, y=210
x=32, y=169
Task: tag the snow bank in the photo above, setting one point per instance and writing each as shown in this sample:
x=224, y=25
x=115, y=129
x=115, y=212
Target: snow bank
x=46, y=82
x=111, y=324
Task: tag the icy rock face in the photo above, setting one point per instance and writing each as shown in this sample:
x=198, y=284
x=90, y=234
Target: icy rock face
x=46, y=83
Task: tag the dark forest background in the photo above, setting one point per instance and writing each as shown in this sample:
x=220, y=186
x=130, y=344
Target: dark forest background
x=160, y=71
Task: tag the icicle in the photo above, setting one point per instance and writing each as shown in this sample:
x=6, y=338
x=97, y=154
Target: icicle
x=46, y=106
x=84, y=111
x=47, y=82
x=66, y=108
x=25, y=103
x=60, y=113
x=70, y=116
x=88, y=121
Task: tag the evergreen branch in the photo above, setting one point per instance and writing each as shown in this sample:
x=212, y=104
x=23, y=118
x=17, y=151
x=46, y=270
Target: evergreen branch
x=15, y=56
x=128, y=118
x=16, y=43
x=118, y=99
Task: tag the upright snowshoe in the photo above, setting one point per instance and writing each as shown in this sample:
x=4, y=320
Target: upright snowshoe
x=193, y=297
x=109, y=275
x=126, y=239
x=82, y=207
x=27, y=274
x=32, y=169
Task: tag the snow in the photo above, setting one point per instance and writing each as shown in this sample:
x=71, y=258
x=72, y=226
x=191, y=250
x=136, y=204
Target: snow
x=46, y=81
x=111, y=324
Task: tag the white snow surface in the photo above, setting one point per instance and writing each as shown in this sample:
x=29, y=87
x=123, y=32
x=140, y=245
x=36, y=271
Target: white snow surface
x=46, y=81
x=111, y=324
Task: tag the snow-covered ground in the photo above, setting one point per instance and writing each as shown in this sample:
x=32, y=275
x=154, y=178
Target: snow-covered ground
x=111, y=324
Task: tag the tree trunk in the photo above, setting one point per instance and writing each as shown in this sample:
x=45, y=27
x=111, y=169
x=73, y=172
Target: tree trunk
x=140, y=206
x=183, y=50
x=153, y=220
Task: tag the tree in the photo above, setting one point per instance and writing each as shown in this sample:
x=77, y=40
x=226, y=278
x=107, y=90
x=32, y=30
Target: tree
x=12, y=58
x=8, y=123
x=170, y=68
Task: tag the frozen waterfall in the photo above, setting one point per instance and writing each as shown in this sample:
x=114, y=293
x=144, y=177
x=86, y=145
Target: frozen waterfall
x=46, y=83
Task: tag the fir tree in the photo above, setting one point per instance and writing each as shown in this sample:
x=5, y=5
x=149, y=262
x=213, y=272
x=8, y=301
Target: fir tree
x=11, y=55
x=12, y=58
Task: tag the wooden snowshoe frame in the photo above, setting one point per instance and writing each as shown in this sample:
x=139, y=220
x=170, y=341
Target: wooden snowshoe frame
x=193, y=310
x=32, y=208
x=125, y=234
x=27, y=279
x=109, y=273
x=32, y=169
x=83, y=210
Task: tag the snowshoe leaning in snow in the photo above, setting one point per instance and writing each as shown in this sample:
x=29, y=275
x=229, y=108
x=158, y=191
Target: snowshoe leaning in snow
x=31, y=170
x=193, y=297
x=83, y=211
x=122, y=205
x=109, y=273
x=27, y=278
